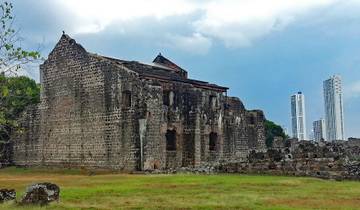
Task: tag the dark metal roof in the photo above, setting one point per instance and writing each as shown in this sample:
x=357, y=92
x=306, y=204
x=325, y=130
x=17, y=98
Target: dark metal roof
x=163, y=73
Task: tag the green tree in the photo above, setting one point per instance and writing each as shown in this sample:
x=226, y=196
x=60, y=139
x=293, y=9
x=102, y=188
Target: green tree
x=272, y=130
x=16, y=94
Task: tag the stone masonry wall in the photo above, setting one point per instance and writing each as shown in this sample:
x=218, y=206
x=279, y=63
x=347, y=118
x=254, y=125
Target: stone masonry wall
x=26, y=146
x=80, y=114
x=6, y=154
x=244, y=130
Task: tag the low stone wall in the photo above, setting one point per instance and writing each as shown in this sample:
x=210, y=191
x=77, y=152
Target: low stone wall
x=5, y=154
x=336, y=160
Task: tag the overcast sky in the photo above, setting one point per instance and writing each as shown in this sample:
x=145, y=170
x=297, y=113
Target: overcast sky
x=263, y=50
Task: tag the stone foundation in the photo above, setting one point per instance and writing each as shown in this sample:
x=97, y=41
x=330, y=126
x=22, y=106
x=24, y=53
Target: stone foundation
x=335, y=160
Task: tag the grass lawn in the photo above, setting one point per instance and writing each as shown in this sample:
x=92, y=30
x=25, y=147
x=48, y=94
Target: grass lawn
x=182, y=191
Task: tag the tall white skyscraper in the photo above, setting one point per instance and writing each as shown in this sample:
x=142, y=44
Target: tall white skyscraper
x=334, y=111
x=319, y=129
x=298, y=116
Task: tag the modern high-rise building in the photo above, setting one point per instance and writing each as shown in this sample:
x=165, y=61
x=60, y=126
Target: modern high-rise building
x=319, y=130
x=334, y=111
x=298, y=116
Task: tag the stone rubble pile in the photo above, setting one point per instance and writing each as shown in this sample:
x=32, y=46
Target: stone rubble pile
x=330, y=160
x=7, y=195
x=36, y=194
x=41, y=194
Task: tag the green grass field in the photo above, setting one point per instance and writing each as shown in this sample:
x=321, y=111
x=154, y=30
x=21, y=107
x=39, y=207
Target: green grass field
x=182, y=191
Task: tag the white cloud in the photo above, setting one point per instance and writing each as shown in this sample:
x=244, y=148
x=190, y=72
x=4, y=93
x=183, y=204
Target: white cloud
x=195, y=44
x=95, y=16
x=238, y=23
x=235, y=22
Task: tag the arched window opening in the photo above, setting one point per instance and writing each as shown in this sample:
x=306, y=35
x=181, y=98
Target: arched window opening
x=212, y=101
x=170, y=140
x=213, y=138
x=126, y=99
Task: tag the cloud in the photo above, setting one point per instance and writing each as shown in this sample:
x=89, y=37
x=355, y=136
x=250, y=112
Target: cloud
x=195, y=44
x=94, y=16
x=237, y=23
x=317, y=38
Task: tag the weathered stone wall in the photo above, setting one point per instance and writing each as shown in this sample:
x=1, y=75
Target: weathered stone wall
x=80, y=113
x=244, y=130
x=6, y=149
x=26, y=145
x=336, y=160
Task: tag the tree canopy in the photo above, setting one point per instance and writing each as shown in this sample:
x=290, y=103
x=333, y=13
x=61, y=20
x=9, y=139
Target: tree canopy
x=272, y=130
x=16, y=93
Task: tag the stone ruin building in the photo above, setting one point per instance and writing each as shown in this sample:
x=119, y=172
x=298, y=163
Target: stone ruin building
x=102, y=112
